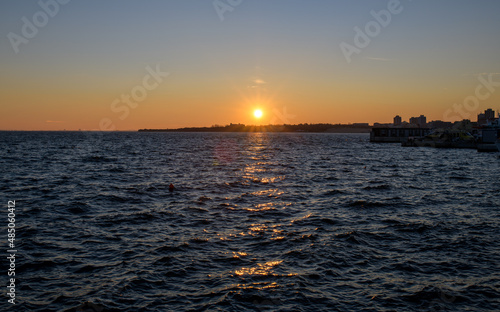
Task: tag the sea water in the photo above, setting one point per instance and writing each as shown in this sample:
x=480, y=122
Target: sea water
x=256, y=222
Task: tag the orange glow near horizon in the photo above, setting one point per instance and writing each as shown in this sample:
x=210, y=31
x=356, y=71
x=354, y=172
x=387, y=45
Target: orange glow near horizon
x=173, y=106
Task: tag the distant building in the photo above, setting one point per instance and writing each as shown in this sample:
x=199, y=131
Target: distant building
x=418, y=121
x=481, y=119
x=489, y=114
x=397, y=120
x=422, y=121
x=485, y=118
x=439, y=124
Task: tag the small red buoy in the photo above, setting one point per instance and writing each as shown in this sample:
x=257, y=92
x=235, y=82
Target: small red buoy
x=171, y=187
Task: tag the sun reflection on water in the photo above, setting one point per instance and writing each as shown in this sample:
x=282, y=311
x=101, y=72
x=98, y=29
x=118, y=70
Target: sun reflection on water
x=261, y=269
x=258, y=286
x=238, y=255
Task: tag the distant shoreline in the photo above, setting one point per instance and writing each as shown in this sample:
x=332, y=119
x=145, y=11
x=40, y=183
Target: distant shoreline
x=310, y=128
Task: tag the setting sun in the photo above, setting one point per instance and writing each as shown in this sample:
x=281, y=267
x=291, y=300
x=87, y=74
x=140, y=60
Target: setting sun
x=257, y=113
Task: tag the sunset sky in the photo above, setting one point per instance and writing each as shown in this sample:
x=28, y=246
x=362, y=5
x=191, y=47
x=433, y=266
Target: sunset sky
x=198, y=63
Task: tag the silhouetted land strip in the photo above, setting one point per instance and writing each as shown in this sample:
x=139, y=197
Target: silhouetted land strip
x=337, y=128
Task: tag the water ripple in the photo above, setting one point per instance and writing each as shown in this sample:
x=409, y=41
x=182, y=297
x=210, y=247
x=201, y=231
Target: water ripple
x=257, y=222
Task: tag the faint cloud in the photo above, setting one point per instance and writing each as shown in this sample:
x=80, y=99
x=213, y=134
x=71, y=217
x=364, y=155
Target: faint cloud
x=53, y=121
x=259, y=81
x=256, y=83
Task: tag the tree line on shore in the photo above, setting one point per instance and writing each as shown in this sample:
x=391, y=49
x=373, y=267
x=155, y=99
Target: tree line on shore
x=303, y=127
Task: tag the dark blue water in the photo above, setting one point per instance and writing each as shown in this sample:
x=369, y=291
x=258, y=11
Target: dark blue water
x=257, y=222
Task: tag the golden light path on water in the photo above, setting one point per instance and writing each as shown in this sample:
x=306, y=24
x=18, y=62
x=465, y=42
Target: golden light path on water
x=258, y=169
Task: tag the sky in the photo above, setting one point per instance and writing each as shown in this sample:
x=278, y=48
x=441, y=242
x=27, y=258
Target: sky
x=128, y=65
